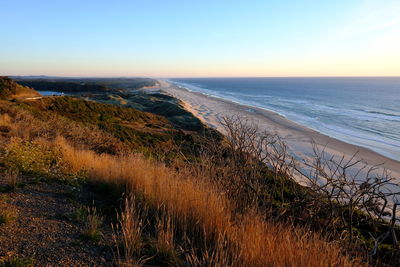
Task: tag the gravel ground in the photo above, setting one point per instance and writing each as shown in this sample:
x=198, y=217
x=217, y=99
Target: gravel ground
x=45, y=230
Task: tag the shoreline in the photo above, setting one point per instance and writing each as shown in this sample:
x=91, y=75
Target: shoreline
x=298, y=137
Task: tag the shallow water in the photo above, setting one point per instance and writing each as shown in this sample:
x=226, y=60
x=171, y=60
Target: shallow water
x=362, y=111
x=50, y=93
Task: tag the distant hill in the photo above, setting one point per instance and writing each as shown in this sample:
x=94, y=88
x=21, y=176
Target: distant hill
x=86, y=85
x=9, y=89
x=63, y=86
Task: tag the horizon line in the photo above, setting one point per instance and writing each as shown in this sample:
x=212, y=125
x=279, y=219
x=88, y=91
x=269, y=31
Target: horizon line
x=208, y=77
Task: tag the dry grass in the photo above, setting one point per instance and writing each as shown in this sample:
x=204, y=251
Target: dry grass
x=5, y=119
x=11, y=178
x=181, y=212
x=25, y=94
x=93, y=221
x=127, y=235
x=165, y=243
x=7, y=214
x=205, y=217
x=24, y=125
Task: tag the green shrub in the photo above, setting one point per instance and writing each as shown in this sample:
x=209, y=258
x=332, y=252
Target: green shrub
x=36, y=157
x=16, y=261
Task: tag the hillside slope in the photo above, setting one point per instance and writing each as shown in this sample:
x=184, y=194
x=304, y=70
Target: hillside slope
x=85, y=85
x=174, y=196
x=10, y=89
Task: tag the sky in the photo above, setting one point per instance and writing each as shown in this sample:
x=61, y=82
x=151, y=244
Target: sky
x=207, y=38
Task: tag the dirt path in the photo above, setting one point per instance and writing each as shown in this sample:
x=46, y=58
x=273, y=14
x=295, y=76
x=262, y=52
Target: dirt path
x=44, y=229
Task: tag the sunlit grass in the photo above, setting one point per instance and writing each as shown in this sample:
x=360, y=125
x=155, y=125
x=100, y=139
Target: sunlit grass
x=169, y=215
x=205, y=217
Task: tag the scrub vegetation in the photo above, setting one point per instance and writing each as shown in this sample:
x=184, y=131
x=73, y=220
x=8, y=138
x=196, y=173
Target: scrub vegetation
x=156, y=194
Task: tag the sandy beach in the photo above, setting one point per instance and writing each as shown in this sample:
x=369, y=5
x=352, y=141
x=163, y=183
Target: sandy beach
x=298, y=138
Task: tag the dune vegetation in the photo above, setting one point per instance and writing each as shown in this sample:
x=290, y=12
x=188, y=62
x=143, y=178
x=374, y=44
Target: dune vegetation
x=181, y=197
x=10, y=89
x=79, y=85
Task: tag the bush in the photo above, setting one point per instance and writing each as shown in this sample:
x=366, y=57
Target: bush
x=38, y=157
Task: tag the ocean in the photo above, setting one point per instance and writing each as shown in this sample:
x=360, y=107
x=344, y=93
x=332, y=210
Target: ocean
x=363, y=111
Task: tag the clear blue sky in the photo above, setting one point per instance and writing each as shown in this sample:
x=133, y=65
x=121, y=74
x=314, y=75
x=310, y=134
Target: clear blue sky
x=176, y=38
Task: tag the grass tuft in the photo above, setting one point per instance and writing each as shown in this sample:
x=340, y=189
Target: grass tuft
x=11, y=179
x=7, y=214
x=92, y=224
x=16, y=261
x=127, y=235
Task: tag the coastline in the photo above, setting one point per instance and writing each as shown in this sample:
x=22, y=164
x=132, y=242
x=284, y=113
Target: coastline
x=298, y=137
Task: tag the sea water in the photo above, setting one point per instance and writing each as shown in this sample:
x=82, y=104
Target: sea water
x=363, y=111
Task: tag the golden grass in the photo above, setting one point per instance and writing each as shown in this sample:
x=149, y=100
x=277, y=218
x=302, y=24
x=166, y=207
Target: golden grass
x=248, y=240
x=24, y=125
x=128, y=233
x=159, y=184
x=5, y=119
x=26, y=94
x=192, y=216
